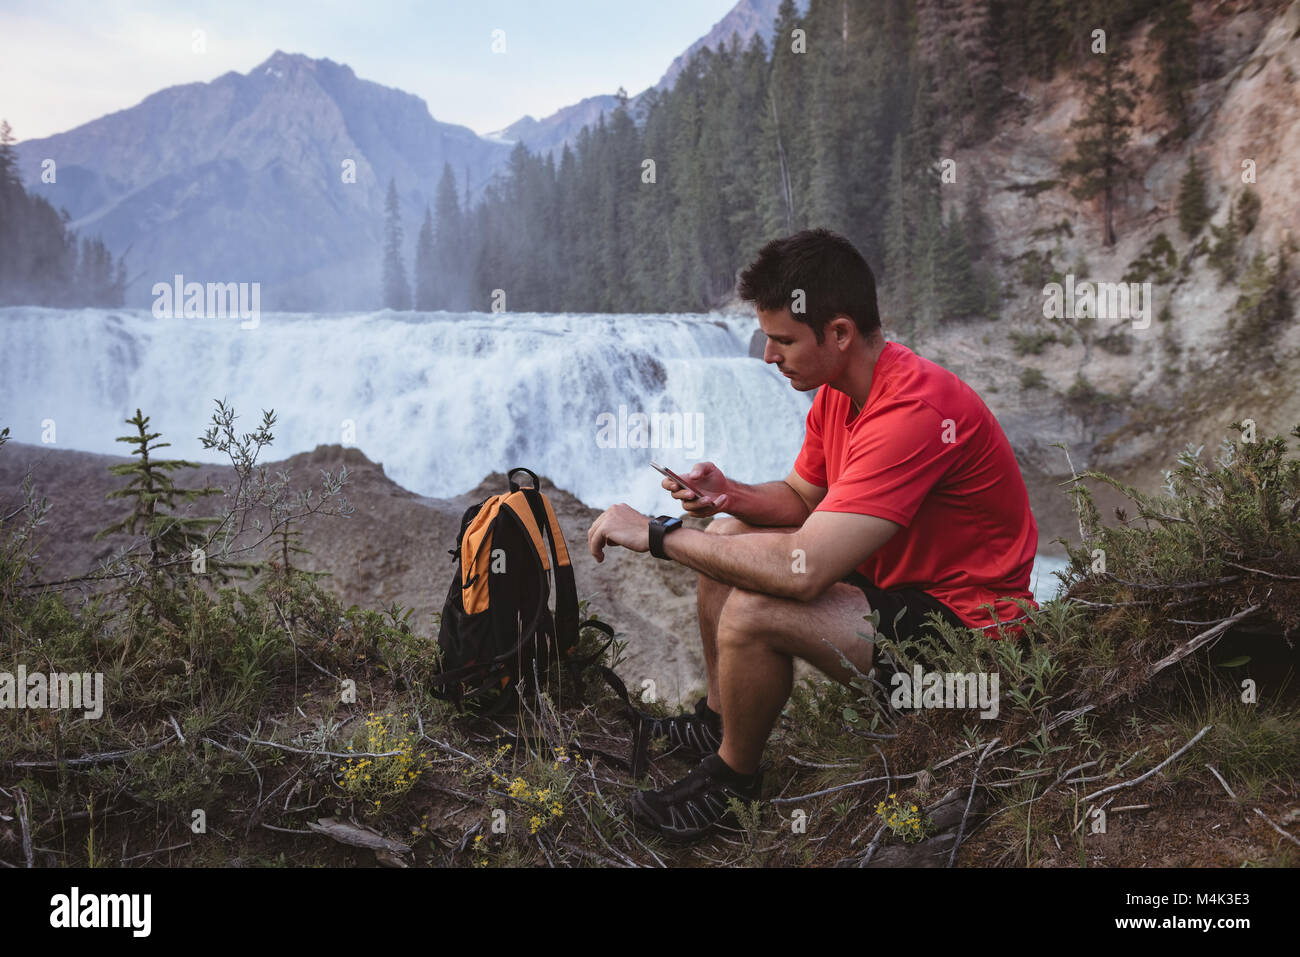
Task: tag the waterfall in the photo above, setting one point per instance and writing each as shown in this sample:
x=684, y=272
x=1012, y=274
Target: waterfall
x=441, y=399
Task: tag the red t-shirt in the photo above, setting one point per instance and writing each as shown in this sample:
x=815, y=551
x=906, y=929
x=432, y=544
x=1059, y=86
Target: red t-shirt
x=926, y=452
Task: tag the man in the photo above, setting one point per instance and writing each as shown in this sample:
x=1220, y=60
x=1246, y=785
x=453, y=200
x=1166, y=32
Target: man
x=906, y=496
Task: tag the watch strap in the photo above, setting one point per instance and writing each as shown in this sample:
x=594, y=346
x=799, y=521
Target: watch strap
x=660, y=526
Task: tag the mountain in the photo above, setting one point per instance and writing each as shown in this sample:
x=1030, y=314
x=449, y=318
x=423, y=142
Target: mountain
x=552, y=132
x=241, y=180
x=748, y=18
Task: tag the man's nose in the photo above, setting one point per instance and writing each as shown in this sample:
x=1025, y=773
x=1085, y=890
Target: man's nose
x=769, y=354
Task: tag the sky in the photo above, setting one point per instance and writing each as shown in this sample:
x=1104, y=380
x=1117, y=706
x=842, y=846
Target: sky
x=66, y=62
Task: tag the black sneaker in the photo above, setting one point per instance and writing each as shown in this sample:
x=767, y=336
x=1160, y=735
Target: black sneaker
x=695, y=805
x=699, y=733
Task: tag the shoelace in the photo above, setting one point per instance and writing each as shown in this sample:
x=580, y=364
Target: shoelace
x=688, y=730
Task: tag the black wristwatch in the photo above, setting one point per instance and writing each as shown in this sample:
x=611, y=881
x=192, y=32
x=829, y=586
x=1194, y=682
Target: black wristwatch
x=660, y=526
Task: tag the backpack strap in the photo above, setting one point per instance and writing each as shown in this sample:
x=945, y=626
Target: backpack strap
x=520, y=505
x=640, y=737
x=475, y=556
x=566, y=590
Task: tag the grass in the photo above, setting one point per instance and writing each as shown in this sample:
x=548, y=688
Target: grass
x=232, y=703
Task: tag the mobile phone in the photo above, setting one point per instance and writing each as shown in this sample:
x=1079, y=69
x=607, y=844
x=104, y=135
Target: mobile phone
x=669, y=473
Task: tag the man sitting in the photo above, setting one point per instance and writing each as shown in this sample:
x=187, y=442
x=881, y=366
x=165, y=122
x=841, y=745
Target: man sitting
x=906, y=496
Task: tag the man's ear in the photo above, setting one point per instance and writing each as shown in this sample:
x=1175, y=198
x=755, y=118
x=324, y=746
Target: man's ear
x=844, y=329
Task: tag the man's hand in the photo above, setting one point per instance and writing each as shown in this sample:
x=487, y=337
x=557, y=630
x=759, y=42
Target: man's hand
x=713, y=485
x=619, y=525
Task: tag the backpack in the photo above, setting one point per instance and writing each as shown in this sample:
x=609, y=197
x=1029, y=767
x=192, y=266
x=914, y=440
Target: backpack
x=497, y=627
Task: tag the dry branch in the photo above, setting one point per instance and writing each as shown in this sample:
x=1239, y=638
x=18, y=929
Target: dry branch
x=1140, y=778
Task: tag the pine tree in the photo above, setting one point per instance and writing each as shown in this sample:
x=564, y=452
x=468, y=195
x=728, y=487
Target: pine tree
x=42, y=261
x=926, y=253
x=449, y=259
x=1099, y=166
x=897, y=279
x=742, y=188
x=1265, y=303
x=1046, y=26
x=8, y=160
x=783, y=108
x=978, y=234
x=1223, y=253
x=172, y=538
x=958, y=297
x=397, y=291
x=828, y=180
x=426, y=296
x=1176, y=34
x=956, y=91
x=1193, y=207
x=287, y=544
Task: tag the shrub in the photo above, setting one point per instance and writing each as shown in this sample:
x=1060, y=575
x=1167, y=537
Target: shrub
x=1032, y=343
x=1157, y=261
x=1031, y=378
x=1248, y=206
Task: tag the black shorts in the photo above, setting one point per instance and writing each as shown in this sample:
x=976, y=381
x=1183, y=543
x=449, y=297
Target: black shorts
x=915, y=604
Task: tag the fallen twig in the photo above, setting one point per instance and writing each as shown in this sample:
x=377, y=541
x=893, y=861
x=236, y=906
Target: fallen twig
x=809, y=764
x=581, y=852
x=1185, y=649
x=1289, y=837
x=161, y=850
x=961, y=828
x=825, y=791
x=1138, y=780
x=92, y=758
x=871, y=848
x=328, y=754
x=1215, y=771
x=357, y=835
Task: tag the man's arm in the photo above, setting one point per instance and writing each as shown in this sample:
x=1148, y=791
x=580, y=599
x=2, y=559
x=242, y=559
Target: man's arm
x=785, y=503
x=799, y=565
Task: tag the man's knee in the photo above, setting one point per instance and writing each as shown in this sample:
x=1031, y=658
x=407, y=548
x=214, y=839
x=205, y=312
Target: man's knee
x=744, y=616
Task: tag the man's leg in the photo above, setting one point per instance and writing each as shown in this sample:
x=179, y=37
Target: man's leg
x=757, y=639
x=711, y=595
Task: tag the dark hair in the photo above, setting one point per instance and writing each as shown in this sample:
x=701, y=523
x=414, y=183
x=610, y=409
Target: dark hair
x=834, y=277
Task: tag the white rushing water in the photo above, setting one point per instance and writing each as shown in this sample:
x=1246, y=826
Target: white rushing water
x=441, y=399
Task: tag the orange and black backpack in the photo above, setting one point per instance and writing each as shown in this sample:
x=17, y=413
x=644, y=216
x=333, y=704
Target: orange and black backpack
x=498, y=629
